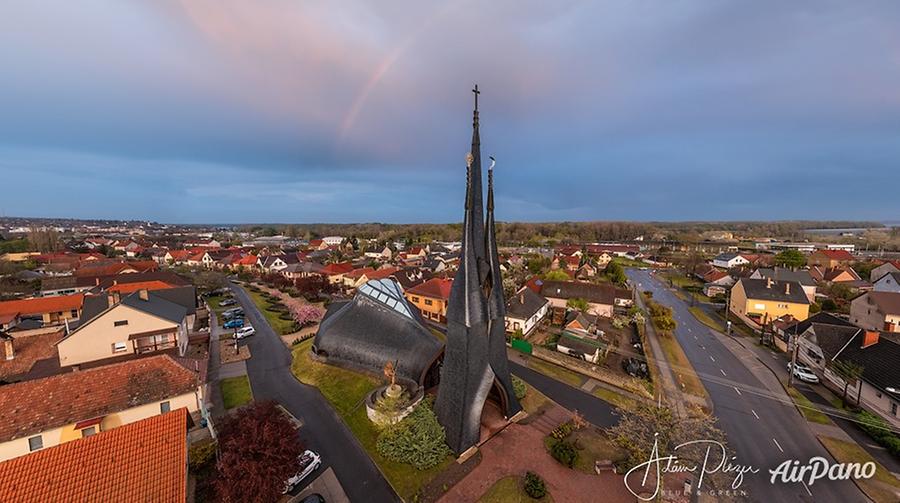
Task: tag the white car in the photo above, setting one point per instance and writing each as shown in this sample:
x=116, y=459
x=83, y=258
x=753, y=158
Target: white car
x=245, y=332
x=804, y=373
x=309, y=461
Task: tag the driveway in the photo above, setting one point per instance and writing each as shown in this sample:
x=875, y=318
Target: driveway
x=323, y=431
x=763, y=426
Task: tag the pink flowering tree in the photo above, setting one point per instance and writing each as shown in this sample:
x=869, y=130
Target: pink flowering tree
x=305, y=314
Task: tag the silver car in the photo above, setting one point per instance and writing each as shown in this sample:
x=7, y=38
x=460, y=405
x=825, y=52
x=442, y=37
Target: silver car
x=804, y=373
x=309, y=461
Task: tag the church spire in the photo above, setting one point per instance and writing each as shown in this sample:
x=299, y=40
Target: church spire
x=475, y=187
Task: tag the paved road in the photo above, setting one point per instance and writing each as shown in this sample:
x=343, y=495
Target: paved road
x=761, y=430
x=323, y=431
x=595, y=410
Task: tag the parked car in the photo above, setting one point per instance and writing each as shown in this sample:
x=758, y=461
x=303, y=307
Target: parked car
x=309, y=461
x=234, y=323
x=804, y=373
x=245, y=332
x=313, y=498
x=228, y=302
x=234, y=312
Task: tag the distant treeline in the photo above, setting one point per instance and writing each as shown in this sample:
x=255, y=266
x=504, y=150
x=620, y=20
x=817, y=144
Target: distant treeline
x=558, y=232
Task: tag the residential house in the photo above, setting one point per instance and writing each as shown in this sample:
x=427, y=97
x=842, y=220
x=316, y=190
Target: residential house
x=602, y=299
x=302, y=270
x=889, y=266
x=787, y=331
x=42, y=413
x=584, y=348
x=335, y=272
x=586, y=271
x=781, y=273
x=332, y=240
x=877, y=353
x=177, y=257
x=830, y=258
x=144, y=460
x=139, y=323
x=52, y=310
x=759, y=301
x=275, y=263
x=890, y=282
x=28, y=353
x=411, y=276
x=837, y=274
x=876, y=311
x=729, y=260
x=525, y=310
x=431, y=297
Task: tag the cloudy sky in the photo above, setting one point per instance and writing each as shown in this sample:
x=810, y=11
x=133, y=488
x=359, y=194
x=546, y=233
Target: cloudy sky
x=340, y=111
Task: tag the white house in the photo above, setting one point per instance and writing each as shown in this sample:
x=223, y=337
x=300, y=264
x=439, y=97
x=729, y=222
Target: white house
x=729, y=260
x=890, y=282
x=525, y=310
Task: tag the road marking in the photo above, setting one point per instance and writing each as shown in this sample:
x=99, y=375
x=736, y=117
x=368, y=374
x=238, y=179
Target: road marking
x=738, y=391
x=754, y=413
x=782, y=450
x=695, y=338
x=713, y=359
x=807, y=489
x=774, y=357
x=724, y=374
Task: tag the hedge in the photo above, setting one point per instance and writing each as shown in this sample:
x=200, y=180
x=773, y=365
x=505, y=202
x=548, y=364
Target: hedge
x=418, y=440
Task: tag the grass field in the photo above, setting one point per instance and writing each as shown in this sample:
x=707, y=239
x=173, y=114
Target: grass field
x=593, y=445
x=556, y=372
x=281, y=327
x=510, y=489
x=809, y=411
x=346, y=390
x=681, y=366
x=703, y=317
x=882, y=488
x=619, y=400
x=235, y=391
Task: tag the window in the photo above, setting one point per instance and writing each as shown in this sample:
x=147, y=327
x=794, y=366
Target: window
x=164, y=407
x=120, y=323
x=893, y=408
x=428, y=302
x=35, y=443
x=74, y=313
x=415, y=299
x=88, y=431
x=119, y=347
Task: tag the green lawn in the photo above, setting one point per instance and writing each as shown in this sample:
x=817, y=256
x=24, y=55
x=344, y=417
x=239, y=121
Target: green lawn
x=235, y=391
x=681, y=366
x=533, y=400
x=346, y=390
x=883, y=487
x=593, y=445
x=510, y=489
x=706, y=319
x=619, y=400
x=556, y=372
x=281, y=327
x=809, y=411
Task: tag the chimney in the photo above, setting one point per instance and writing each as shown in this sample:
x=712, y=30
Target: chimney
x=143, y=294
x=787, y=288
x=96, y=281
x=768, y=282
x=522, y=298
x=111, y=299
x=8, y=348
x=870, y=338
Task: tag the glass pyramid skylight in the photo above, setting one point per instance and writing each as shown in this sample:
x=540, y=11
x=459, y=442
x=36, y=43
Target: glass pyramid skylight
x=387, y=292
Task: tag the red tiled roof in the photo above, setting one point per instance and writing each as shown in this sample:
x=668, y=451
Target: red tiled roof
x=42, y=304
x=247, y=260
x=436, y=288
x=141, y=461
x=334, y=269
x=30, y=407
x=179, y=254
x=359, y=273
x=27, y=351
x=384, y=272
x=837, y=254
x=124, y=288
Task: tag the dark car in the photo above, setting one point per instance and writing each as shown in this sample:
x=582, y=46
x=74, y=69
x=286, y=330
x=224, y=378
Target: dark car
x=228, y=302
x=313, y=498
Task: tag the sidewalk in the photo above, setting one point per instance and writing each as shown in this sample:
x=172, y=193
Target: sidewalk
x=671, y=392
x=216, y=405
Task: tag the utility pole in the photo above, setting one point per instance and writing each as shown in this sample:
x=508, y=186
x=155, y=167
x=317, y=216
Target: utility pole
x=796, y=342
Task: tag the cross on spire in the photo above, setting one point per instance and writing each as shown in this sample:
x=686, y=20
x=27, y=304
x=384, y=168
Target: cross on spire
x=476, y=92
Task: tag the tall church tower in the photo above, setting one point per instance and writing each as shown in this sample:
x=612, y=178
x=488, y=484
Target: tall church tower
x=475, y=363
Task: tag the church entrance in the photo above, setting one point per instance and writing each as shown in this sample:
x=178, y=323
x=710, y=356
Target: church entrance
x=493, y=414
